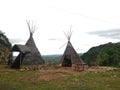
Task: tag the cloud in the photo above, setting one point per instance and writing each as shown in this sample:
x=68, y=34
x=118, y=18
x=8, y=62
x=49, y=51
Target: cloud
x=112, y=33
x=16, y=40
x=54, y=39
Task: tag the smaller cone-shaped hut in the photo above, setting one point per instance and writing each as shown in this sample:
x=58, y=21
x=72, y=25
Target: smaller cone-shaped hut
x=70, y=56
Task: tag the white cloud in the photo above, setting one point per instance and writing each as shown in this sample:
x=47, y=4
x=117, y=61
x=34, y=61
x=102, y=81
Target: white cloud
x=112, y=33
x=16, y=40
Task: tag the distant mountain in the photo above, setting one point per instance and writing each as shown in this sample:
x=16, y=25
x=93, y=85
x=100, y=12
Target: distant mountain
x=52, y=58
x=106, y=55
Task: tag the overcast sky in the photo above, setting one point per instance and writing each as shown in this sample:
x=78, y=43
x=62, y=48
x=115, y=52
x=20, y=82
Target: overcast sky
x=94, y=22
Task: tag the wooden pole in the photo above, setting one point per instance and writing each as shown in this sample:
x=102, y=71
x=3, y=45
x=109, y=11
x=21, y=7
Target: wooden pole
x=20, y=58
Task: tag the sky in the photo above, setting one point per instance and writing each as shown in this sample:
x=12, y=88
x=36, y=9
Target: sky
x=92, y=22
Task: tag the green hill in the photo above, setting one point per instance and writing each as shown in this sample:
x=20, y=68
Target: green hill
x=103, y=55
x=5, y=47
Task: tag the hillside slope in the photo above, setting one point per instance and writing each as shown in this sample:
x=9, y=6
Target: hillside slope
x=104, y=55
x=5, y=47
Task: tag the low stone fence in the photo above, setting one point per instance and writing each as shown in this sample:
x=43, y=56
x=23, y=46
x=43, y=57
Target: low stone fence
x=32, y=67
x=38, y=67
x=80, y=67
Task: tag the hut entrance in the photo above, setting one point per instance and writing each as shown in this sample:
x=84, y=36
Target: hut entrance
x=15, y=54
x=67, y=61
x=17, y=58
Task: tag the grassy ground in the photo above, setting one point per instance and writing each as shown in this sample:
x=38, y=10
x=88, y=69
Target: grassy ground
x=58, y=79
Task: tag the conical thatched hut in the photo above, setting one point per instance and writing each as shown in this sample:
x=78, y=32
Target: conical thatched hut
x=29, y=54
x=70, y=56
x=34, y=57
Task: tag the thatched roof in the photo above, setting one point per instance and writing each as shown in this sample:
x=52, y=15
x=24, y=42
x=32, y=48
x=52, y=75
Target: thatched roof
x=70, y=54
x=35, y=57
x=31, y=44
x=20, y=48
x=29, y=54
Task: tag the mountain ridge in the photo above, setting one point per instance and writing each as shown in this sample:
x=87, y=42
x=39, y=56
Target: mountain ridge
x=104, y=55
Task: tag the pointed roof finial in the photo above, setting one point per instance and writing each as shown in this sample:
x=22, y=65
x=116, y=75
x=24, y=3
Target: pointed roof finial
x=68, y=34
x=31, y=27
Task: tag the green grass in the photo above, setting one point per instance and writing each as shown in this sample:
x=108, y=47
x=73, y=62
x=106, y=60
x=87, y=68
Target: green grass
x=58, y=80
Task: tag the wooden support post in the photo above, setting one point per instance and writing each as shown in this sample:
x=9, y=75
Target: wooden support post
x=20, y=59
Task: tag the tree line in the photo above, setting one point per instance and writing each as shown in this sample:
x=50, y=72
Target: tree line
x=103, y=55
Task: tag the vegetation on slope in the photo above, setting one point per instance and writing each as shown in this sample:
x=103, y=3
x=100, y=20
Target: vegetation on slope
x=5, y=46
x=104, y=55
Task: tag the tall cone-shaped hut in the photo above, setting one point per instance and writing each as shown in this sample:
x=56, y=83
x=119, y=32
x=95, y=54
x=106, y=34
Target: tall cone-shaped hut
x=29, y=54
